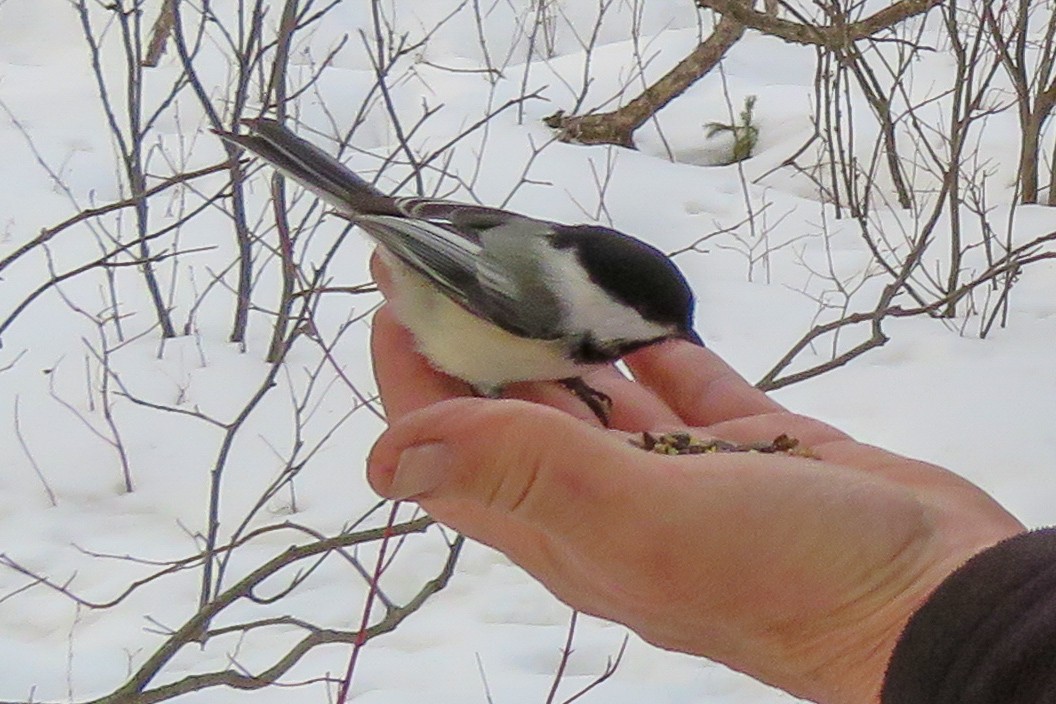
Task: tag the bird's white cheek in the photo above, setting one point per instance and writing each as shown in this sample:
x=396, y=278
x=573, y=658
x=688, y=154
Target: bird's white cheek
x=590, y=309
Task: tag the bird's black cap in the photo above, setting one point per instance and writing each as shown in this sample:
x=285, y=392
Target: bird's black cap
x=633, y=272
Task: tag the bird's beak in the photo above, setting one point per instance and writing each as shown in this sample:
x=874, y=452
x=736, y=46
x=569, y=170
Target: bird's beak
x=692, y=336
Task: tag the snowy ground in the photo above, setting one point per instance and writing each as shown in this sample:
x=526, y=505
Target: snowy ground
x=984, y=408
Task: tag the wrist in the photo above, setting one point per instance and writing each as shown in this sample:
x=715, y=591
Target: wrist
x=846, y=659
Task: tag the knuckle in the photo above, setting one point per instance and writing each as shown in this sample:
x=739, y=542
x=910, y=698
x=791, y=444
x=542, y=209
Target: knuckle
x=521, y=443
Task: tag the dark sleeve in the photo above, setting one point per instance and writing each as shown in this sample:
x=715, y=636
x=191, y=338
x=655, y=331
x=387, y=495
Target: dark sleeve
x=987, y=635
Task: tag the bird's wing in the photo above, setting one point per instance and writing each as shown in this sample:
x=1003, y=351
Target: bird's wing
x=441, y=254
x=477, y=257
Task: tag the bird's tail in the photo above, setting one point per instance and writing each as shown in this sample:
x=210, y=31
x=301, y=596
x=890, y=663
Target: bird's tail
x=312, y=168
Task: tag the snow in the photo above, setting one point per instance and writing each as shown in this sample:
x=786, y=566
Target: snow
x=982, y=407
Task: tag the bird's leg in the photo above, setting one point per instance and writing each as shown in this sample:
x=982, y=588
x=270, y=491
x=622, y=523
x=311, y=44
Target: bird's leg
x=599, y=403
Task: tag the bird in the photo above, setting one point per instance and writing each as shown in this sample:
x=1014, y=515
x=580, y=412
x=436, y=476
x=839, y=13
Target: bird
x=492, y=296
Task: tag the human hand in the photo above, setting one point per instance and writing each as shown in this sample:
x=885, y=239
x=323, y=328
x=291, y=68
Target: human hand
x=800, y=572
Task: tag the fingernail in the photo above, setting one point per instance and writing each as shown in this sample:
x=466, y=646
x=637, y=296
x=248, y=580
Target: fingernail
x=419, y=470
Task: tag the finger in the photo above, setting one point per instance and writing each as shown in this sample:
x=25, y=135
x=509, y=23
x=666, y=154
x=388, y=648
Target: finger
x=554, y=395
x=405, y=379
x=930, y=483
x=534, y=464
x=764, y=427
x=380, y=272
x=634, y=407
x=697, y=384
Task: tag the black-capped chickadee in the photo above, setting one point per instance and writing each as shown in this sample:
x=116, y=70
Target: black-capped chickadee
x=494, y=297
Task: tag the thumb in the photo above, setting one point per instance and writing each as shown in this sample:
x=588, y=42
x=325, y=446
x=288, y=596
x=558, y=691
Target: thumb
x=512, y=458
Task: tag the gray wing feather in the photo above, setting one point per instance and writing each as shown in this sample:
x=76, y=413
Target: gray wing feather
x=491, y=272
x=445, y=257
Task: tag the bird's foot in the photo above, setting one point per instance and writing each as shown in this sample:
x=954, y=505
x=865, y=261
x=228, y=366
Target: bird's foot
x=599, y=403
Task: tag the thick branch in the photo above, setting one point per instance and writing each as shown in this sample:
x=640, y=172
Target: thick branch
x=618, y=127
x=834, y=36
